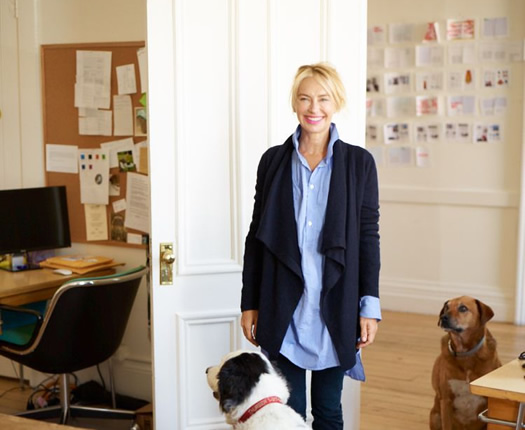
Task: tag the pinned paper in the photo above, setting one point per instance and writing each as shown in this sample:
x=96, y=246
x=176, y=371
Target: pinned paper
x=61, y=158
x=126, y=83
x=93, y=166
x=96, y=222
x=123, y=115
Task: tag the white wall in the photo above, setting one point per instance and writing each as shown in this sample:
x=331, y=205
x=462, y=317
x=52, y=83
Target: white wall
x=452, y=229
x=78, y=21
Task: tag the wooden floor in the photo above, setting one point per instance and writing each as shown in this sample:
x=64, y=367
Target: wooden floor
x=397, y=394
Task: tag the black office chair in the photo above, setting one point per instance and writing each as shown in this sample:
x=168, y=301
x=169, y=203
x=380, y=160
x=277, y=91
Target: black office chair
x=82, y=327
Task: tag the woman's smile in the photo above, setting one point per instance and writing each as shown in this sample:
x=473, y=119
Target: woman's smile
x=314, y=107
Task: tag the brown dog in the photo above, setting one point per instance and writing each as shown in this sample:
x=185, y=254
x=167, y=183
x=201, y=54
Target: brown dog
x=468, y=351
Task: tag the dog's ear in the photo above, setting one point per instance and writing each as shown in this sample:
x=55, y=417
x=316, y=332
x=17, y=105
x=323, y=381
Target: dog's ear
x=485, y=312
x=237, y=378
x=443, y=309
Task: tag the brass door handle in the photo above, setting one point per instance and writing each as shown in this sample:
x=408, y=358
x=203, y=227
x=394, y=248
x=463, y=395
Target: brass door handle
x=167, y=258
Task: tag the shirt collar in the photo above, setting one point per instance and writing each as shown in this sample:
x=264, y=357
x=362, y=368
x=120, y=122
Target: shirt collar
x=334, y=136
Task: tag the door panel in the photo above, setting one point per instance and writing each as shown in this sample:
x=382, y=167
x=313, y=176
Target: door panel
x=220, y=75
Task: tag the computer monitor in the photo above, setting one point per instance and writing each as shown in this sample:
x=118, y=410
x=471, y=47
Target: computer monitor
x=33, y=219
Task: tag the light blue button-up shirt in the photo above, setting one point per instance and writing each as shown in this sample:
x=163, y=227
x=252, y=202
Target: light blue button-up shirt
x=307, y=342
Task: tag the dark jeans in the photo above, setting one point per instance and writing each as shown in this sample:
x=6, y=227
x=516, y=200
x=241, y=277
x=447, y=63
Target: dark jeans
x=326, y=390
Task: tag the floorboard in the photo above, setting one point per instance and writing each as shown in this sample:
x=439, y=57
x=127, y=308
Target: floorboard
x=397, y=394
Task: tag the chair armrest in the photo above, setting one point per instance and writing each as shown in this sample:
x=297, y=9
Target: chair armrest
x=35, y=323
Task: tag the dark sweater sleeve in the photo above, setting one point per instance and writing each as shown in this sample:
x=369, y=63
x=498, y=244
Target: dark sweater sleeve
x=251, y=273
x=369, y=254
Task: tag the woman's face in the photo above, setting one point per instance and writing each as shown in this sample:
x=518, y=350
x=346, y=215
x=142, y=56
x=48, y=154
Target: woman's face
x=314, y=107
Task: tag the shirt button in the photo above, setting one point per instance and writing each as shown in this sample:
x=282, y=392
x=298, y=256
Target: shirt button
x=309, y=223
x=312, y=186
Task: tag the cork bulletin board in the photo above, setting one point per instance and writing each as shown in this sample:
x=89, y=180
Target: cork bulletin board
x=61, y=124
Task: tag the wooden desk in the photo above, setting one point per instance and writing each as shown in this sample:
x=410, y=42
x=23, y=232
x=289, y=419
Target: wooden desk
x=19, y=288
x=17, y=423
x=505, y=389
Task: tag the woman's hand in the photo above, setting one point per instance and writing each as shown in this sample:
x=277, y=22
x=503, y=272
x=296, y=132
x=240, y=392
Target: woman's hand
x=368, y=331
x=249, y=325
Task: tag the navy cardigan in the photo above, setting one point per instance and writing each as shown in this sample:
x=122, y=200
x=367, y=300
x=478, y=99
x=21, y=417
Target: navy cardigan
x=272, y=276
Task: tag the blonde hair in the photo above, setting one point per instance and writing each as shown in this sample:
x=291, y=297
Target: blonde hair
x=326, y=76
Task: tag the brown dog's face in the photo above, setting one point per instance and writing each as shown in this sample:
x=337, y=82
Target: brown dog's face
x=464, y=313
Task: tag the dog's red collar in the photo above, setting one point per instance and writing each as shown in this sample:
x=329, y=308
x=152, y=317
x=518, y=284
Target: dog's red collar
x=258, y=406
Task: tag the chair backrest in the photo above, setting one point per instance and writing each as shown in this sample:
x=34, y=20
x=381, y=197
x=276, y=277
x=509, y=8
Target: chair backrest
x=84, y=323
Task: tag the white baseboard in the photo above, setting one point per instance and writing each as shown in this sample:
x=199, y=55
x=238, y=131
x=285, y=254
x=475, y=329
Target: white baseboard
x=427, y=297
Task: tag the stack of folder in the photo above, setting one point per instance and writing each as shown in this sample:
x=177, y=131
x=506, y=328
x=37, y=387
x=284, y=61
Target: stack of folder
x=80, y=264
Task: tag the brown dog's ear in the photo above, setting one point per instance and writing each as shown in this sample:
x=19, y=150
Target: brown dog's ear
x=442, y=312
x=485, y=312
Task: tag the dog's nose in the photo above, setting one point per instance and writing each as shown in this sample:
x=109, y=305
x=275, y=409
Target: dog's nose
x=207, y=369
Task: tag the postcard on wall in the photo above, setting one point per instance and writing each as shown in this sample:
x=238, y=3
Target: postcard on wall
x=491, y=133
x=495, y=133
x=93, y=165
x=422, y=157
x=376, y=35
x=460, y=80
x=458, y=132
x=396, y=133
x=461, y=105
x=429, y=81
x=428, y=133
x=464, y=53
x=119, y=205
x=400, y=33
x=126, y=82
x=495, y=27
x=95, y=122
x=93, y=79
x=431, y=33
x=375, y=107
x=96, y=222
x=61, y=158
x=396, y=83
x=400, y=106
x=490, y=106
x=496, y=78
x=400, y=156
x=116, y=146
x=375, y=58
x=399, y=57
x=492, y=52
x=427, y=105
x=515, y=51
x=429, y=56
x=372, y=133
x=460, y=29
x=373, y=83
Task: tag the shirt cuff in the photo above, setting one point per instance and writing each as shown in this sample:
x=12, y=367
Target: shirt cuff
x=369, y=307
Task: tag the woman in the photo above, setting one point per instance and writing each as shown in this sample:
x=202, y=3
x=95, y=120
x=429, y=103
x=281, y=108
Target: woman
x=310, y=294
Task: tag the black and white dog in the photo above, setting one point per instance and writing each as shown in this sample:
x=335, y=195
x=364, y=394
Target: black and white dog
x=252, y=394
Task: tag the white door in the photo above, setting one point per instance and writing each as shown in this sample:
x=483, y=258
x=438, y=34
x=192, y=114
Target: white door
x=219, y=79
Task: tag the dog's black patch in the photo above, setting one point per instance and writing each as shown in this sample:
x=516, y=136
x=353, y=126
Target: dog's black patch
x=237, y=378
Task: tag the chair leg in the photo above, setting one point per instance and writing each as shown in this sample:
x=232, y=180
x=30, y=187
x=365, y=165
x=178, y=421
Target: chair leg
x=64, y=397
x=112, y=383
x=21, y=377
